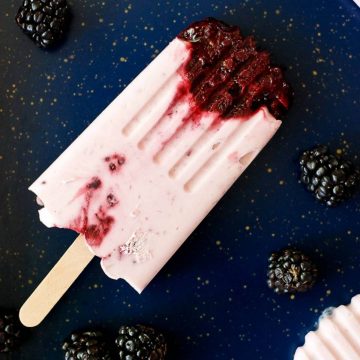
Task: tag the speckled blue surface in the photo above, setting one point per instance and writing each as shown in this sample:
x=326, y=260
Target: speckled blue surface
x=211, y=299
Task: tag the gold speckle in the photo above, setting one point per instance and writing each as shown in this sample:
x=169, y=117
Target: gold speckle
x=101, y=20
x=128, y=9
x=281, y=182
x=218, y=242
x=328, y=292
x=339, y=151
x=314, y=72
x=277, y=11
x=269, y=170
x=123, y=59
x=30, y=281
x=247, y=227
x=292, y=297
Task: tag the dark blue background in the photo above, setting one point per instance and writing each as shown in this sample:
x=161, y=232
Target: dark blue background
x=211, y=299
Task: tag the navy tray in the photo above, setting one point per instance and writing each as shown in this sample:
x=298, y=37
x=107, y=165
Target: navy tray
x=211, y=299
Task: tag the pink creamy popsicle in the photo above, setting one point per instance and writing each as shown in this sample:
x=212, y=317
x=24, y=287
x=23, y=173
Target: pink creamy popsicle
x=148, y=170
x=337, y=336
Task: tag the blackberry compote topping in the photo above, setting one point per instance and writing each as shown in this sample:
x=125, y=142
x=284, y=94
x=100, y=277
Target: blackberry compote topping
x=290, y=271
x=229, y=74
x=88, y=345
x=45, y=21
x=10, y=331
x=140, y=343
x=330, y=178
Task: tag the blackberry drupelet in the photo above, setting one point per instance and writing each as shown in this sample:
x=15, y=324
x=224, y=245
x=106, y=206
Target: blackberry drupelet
x=45, y=21
x=290, y=271
x=330, y=178
x=10, y=331
x=140, y=343
x=88, y=345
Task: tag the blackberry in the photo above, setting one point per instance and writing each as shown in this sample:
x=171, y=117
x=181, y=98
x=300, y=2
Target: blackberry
x=140, y=343
x=45, y=21
x=10, y=331
x=330, y=178
x=290, y=271
x=88, y=345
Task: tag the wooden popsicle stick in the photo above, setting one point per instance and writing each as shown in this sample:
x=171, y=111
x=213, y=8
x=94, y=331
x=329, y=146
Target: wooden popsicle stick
x=56, y=283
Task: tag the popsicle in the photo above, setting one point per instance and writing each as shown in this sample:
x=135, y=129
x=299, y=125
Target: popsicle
x=146, y=172
x=337, y=336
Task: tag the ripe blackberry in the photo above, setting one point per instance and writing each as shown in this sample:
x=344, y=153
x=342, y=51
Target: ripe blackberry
x=140, y=343
x=10, y=331
x=290, y=271
x=45, y=21
x=88, y=345
x=330, y=178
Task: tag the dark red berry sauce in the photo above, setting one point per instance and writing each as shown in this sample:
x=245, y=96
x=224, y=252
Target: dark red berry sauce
x=228, y=74
x=96, y=229
x=94, y=184
x=94, y=233
x=115, y=162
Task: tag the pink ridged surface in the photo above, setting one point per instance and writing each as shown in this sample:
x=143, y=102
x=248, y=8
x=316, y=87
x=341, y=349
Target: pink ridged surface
x=337, y=337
